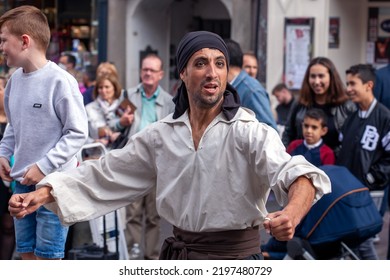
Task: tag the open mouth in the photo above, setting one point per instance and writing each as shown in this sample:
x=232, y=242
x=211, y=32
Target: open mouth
x=212, y=88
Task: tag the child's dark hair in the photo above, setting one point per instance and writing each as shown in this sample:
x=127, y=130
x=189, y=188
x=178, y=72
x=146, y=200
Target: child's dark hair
x=366, y=72
x=317, y=114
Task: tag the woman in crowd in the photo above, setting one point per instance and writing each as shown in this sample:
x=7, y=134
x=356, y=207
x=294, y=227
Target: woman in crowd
x=322, y=88
x=103, y=69
x=104, y=121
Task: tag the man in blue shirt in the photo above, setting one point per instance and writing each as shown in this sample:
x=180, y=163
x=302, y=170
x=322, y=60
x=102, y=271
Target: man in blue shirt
x=252, y=94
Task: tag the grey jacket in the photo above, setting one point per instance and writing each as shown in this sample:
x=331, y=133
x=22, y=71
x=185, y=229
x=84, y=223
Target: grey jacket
x=164, y=105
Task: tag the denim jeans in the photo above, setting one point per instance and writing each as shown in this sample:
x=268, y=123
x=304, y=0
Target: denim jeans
x=40, y=232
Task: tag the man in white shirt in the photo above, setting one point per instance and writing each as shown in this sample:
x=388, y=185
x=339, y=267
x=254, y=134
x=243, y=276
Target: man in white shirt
x=211, y=162
x=153, y=103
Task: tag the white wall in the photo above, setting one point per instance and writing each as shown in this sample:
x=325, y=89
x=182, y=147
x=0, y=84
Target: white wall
x=116, y=39
x=353, y=21
x=241, y=23
x=278, y=10
x=353, y=16
x=147, y=25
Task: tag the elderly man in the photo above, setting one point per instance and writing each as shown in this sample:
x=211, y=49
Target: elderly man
x=153, y=103
x=211, y=162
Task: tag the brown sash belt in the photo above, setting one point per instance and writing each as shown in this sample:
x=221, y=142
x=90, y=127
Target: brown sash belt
x=221, y=245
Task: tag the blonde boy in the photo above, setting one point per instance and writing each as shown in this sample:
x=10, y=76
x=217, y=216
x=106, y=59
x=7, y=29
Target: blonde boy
x=47, y=125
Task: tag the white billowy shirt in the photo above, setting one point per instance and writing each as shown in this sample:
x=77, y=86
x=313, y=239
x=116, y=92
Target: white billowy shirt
x=223, y=185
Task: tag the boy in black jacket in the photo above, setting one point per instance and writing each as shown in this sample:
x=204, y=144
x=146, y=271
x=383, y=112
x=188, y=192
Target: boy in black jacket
x=365, y=138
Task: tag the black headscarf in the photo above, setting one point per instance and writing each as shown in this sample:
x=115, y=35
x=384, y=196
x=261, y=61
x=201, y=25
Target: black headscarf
x=191, y=43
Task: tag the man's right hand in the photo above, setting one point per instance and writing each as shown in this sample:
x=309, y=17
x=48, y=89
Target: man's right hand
x=23, y=204
x=5, y=170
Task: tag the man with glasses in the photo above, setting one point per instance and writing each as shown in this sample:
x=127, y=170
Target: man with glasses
x=153, y=104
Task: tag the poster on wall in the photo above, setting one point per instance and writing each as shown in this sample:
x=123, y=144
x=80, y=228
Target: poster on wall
x=379, y=34
x=382, y=45
x=298, y=38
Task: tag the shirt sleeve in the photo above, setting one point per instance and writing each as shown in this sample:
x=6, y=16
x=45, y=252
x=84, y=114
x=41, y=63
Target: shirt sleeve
x=7, y=144
x=98, y=187
x=274, y=163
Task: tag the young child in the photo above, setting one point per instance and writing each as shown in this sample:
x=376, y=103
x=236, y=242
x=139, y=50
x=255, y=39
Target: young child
x=312, y=147
x=365, y=138
x=47, y=125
